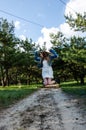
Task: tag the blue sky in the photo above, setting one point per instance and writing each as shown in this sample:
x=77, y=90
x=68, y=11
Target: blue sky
x=48, y=14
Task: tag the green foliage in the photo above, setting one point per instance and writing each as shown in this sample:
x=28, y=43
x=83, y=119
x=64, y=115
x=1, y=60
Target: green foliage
x=79, y=23
x=16, y=56
x=72, y=51
x=57, y=40
x=7, y=48
x=75, y=51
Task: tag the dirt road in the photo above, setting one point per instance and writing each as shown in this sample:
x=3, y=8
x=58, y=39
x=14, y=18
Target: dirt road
x=46, y=109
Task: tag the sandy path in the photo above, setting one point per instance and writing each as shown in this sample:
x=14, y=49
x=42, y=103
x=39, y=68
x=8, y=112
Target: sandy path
x=46, y=109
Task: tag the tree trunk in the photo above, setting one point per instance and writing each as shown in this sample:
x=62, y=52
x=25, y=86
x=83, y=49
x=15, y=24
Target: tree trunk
x=81, y=80
x=2, y=77
x=7, y=77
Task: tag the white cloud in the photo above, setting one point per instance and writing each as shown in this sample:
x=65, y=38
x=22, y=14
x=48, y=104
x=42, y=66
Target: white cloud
x=68, y=32
x=72, y=6
x=46, y=37
x=22, y=37
x=17, y=25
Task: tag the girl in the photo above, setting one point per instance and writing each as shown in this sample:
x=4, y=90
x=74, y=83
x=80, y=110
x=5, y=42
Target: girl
x=45, y=59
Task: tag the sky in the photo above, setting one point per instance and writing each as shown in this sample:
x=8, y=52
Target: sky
x=36, y=19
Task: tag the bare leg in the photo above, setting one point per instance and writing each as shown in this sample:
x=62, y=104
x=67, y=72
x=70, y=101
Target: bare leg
x=53, y=82
x=45, y=81
x=50, y=81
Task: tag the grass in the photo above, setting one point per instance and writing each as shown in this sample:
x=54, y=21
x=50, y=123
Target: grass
x=11, y=94
x=74, y=88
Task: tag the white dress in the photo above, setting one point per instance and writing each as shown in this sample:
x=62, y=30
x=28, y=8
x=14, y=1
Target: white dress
x=47, y=71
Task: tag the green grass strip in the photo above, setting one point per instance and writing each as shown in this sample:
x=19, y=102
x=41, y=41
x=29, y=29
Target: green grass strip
x=12, y=94
x=74, y=88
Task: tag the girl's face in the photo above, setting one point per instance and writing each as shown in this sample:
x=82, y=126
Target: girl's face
x=44, y=55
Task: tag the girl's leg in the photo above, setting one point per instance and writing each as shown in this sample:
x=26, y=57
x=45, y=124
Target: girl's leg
x=45, y=81
x=50, y=81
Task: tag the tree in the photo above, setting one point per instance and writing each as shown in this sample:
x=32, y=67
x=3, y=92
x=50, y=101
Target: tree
x=73, y=52
x=79, y=47
x=7, y=49
x=78, y=23
x=25, y=60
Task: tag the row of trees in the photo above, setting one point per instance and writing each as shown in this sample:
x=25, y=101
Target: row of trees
x=17, y=56
x=73, y=50
x=16, y=61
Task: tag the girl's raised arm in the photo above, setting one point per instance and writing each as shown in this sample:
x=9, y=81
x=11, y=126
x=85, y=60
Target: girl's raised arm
x=54, y=53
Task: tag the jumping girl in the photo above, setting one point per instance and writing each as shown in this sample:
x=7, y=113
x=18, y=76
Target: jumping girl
x=45, y=59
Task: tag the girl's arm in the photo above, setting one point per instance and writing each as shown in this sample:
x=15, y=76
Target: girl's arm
x=37, y=58
x=53, y=54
